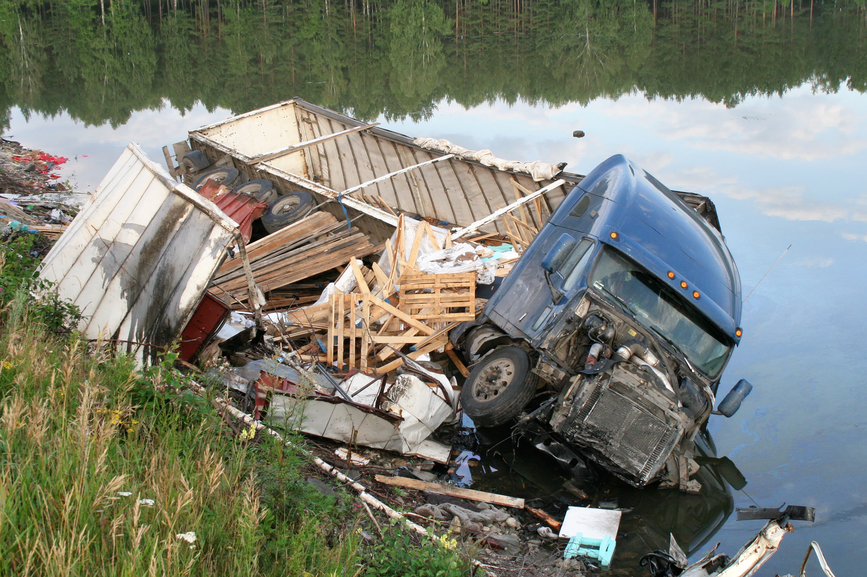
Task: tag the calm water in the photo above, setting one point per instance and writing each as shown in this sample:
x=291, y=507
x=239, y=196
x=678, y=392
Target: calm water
x=769, y=121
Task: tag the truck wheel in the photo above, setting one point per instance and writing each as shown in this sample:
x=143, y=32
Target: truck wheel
x=499, y=386
x=260, y=188
x=287, y=209
x=195, y=161
x=226, y=175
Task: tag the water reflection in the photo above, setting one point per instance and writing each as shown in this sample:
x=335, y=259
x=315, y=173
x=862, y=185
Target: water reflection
x=398, y=58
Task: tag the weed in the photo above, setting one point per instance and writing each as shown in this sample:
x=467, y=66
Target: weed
x=443, y=557
x=107, y=470
x=31, y=299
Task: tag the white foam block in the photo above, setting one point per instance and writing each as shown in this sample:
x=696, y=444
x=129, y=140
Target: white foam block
x=590, y=523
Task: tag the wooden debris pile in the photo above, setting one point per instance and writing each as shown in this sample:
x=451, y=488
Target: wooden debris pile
x=367, y=327
x=297, y=252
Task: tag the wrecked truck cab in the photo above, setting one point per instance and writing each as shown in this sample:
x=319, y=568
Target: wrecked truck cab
x=623, y=312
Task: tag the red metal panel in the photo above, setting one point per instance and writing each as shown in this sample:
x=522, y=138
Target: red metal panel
x=241, y=208
x=209, y=316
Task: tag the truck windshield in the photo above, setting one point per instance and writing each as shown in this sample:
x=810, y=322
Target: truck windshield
x=657, y=307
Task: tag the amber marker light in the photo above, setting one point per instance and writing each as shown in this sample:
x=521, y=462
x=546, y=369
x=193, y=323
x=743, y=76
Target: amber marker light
x=683, y=284
x=671, y=275
x=738, y=333
x=614, y=235
x=695, y=294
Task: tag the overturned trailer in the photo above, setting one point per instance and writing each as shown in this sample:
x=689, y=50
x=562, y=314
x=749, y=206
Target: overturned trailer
x=371, y=174
x=139, y=256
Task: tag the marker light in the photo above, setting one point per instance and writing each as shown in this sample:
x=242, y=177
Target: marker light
x=613, y=235
x=683, y=284
x=738, y=333
x=671, y=275
x=695, y=294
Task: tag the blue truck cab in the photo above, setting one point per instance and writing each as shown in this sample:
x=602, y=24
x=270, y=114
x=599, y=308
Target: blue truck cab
x=617, y=323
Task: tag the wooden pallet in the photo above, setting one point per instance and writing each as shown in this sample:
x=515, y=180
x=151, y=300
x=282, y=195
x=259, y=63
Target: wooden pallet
x=439, y=298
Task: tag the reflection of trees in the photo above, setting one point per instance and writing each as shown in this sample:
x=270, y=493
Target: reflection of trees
x=415, y=50
x=101, y=60
x=594, y=45
x=26, y=58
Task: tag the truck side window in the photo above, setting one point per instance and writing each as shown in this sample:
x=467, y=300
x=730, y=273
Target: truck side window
x=579, y=209
x=574, y=266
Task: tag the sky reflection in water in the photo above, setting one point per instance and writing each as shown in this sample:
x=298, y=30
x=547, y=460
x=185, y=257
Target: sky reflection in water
x=782, y=171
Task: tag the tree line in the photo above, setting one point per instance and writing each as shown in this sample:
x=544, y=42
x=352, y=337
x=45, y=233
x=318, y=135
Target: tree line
x=101, y=60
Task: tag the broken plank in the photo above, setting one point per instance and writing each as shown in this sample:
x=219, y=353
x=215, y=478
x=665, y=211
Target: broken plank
x=401, y=315
x=359, y=277
x=381, y=279
x=171, y=165
x=441, y=342
x=462, y=368
x=439, y=489
x=548, y=519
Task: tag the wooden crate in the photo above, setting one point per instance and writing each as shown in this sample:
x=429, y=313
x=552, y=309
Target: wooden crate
x=439, y=298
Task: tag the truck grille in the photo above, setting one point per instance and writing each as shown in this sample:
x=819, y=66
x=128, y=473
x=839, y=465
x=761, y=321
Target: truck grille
x=621, y=428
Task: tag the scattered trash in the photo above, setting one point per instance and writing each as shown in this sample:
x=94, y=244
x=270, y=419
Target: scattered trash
x=354, y=458
x=747, y=560
x=592, y=533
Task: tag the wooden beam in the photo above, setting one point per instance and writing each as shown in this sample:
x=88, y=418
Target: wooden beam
x=171, y=165
x=402, y=316
x=359, y=277
x=438, y=489
x=390, y=175
x=462, y=368
x=413, y=355
x=307, y=144
x=496, y=214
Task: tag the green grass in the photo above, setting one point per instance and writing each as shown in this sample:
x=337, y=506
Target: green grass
x=104, y=468
x=78, y=457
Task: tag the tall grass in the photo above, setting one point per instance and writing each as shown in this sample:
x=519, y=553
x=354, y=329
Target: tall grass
x=107, y=471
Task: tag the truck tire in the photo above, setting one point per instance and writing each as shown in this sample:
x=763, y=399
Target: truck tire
x=195, y=161
x=227, y=176
x=260, y=188
x=287, y=209
x=499, y=387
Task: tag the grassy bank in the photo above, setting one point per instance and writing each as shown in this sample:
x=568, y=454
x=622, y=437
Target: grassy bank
x=107, y=470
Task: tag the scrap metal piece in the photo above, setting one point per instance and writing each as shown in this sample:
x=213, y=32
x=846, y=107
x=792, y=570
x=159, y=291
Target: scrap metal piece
x=565, y=456
x=814, y=547
x=792, y=512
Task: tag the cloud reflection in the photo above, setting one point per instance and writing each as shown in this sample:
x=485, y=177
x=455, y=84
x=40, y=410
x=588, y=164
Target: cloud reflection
x=797, y=127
